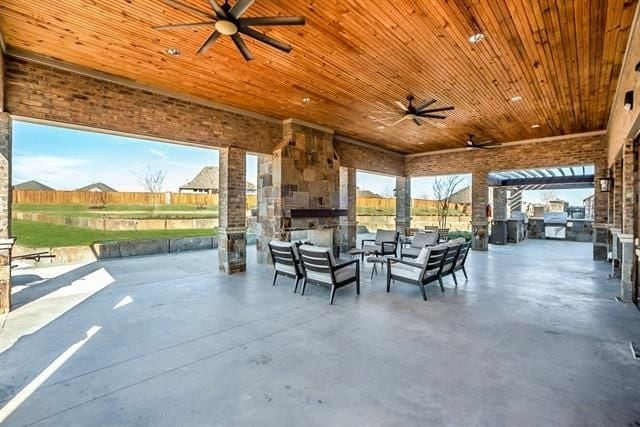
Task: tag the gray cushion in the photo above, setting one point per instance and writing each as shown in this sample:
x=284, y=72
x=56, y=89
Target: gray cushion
x=385, y=236
x=424, y=238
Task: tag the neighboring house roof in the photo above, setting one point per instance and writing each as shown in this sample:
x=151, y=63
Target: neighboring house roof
x=98, y=186
x=369, y=194
x=588, y=198
x=461, y=196
x=207, y=179
x=33, y=186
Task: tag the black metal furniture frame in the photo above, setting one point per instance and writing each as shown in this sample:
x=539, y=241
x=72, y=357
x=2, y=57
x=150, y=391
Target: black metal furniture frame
x=434, y=263
x=286, y=256
x=461, y=260
x=386, y=244
x=321, y=262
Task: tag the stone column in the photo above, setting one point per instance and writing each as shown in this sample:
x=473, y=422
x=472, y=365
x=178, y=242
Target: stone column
x=479, y=221
x=615, y=212
x=6, y=242
x=403, y=203
x=266, y=208
x=348, y=224
x=500, y=203
x=625, y=239
x=232, y=231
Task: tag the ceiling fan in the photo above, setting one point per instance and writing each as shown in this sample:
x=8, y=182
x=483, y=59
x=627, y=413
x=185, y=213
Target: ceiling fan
x=227, y=20
x=471, y=144
x=415, y=113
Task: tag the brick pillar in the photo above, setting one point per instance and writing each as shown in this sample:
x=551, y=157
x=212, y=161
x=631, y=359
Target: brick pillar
x=348, y=224
x=479, y=221
x=232, y=231
x=500, y=203
x=5, y=212
x=266, y=208
x=601, y=217
x=615, y=211
x=403, y=203
x=625, y=239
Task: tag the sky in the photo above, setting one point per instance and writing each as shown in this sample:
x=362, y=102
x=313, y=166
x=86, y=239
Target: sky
x=66, y=159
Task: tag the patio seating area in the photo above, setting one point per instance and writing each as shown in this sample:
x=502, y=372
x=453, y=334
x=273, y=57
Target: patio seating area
x=506, y=347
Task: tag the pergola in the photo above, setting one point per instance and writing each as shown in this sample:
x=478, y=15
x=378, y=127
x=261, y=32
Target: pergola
x=546, y=84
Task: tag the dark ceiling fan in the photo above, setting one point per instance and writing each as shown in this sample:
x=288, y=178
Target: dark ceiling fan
x=414, y=113
x=471, y=144
x=227, y=20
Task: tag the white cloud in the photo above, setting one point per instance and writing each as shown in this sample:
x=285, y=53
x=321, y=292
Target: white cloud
x=158, y=153
x=55, y=171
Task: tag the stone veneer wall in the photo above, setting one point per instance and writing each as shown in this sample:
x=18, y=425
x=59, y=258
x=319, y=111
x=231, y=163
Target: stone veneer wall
x=5, y=210
x=304, y=174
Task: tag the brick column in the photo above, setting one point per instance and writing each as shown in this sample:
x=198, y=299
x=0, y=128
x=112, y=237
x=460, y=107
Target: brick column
x=615, y=211
x=479, y=221
x=232, y=231
x=601, y=217
x=348, y=224
x=403, y=203
x=625, y=239
x=5, y=212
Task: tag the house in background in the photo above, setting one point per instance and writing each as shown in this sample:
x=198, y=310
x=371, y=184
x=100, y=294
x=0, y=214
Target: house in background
x=33, y=186
x=461, y=196
x=98, y=187
x=207, y=181
x=367, y=194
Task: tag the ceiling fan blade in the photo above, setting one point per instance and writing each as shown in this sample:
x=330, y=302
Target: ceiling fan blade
x=208, y=42
x=240, y=7
x=237, y=40
x=416, y=121
x=189, y=25
x=273, y=20
x=217, y=9
x=425, y=104
x=189, y=9
x=401, y=105
x=435, y=110
x=401, y=120
x=266, y=39
x=431, y=116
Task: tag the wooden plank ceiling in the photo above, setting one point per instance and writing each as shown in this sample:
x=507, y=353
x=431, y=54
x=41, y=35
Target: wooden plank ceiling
x=355, y=57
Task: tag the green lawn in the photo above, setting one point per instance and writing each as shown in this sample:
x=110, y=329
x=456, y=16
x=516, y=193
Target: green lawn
x=122, y=211
x=38, y=234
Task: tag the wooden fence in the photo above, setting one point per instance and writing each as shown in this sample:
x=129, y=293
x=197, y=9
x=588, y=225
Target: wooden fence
x=93, y=198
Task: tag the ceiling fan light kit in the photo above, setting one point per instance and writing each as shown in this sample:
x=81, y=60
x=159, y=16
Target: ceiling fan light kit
x=226, y=20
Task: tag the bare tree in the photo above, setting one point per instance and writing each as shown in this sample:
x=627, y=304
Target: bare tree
x=387, y=193
x=443, y=189
x=152, y=179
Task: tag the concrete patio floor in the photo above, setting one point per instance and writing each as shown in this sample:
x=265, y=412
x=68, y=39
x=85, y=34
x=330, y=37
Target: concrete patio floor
x=533, y=338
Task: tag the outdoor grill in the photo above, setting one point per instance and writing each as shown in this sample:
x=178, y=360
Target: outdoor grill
x=555, y=225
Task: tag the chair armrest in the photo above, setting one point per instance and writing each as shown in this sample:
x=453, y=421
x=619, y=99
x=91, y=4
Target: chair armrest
x=393, y=245
x=345, y=264
x=391, y=260
x=366, y=240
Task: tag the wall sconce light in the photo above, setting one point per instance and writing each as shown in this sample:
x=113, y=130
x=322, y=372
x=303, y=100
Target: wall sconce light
x=628, y=100
x=395, y=192
x=606, y=182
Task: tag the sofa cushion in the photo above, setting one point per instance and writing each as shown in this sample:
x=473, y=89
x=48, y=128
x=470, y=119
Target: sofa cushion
x=285, y=268
x=411, y=252
x=371, y=248
x=407, y=271
x=424, y=238
x=385, y=236
x=423, y=255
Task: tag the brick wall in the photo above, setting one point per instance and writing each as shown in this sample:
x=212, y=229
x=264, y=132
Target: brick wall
x=232, y=236
x=48, y=93
x=368, y=159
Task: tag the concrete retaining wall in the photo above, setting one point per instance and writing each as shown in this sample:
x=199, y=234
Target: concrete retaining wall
x=120, y=224
x=388, y=222
x=109, y=250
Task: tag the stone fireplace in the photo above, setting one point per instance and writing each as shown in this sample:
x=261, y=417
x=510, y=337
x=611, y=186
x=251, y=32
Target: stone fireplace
x=299, y=190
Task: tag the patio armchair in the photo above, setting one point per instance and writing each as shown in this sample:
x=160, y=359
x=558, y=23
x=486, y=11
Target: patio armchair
x=443, y=235
x=285, y=261
x=451, y=257
x=462, y=259
x=420, y=240
x=426, y=269
x=320, y=268
x=385, y=243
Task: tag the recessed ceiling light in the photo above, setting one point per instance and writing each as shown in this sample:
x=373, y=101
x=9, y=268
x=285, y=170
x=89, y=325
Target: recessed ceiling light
x=381, y=127
x=476, y=38
x=306, y=100
x=516, y=98
x=535, y=126
x=172, y=51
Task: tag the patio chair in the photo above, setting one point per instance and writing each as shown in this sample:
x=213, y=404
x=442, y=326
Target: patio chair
x=443, y=235
x=451, y=257
x=462, y=259
x=425, y=270
x=420, y=240
x=385, y=243
x=320, y=268
x=285, y=261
